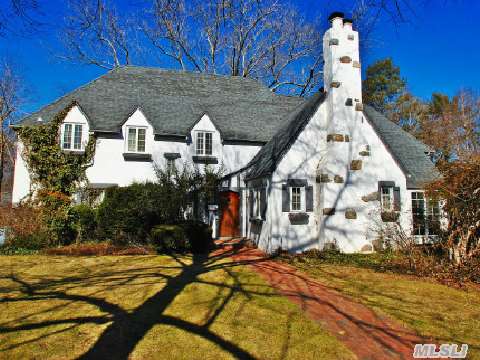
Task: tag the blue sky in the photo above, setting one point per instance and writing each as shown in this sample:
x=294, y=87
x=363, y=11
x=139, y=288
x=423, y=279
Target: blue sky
x=438, y=51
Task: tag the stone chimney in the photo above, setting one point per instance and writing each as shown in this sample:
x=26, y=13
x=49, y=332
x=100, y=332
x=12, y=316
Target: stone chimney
x=342, y=72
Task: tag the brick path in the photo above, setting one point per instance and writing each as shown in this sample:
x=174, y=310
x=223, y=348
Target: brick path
x=365, y=333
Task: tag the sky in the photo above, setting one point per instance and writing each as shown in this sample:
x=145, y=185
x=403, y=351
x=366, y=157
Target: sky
x=438, y=50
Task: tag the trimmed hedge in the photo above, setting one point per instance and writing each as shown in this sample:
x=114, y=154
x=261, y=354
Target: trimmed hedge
x=169, y=238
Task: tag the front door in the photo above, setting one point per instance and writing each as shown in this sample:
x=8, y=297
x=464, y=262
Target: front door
x=229, y=214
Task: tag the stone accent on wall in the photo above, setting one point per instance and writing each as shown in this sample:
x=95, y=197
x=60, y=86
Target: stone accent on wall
x=335, y=137
x=349, y=102
x=364, y=153
x=359, y=106
x=345, y=59
x=329, y=211
x=366, y=248
x=350, y=214
x=347, y=138
x=356, y=165
x=356, y=64
x=373, y=196
x=351, y=37
x=323, y=178
x=338, y=179
x=333, y=42
x=335, y=84
x=391, y=216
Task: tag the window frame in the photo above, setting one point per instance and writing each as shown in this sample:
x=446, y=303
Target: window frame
x=202, y=151
x=127, y=139
x=431, y=211
x=257, y=208
x=171, y=166
x=72, y=137
x=300, y=194
x=391, y=197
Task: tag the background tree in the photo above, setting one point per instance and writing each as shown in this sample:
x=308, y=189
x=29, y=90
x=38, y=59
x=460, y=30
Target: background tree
x=383, y=85
x=19, y=17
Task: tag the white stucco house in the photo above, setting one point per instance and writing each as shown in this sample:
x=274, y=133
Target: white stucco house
x=300, y=173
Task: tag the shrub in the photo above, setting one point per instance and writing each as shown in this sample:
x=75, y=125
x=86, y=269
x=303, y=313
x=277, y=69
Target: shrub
x=99, y=249
x=199, y=236
x=84, y=222
x=21, y=221
x=169, y=238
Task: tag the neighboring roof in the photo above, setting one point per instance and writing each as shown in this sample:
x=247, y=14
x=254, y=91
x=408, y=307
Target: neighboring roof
x=267, y=159
x=410, y=153
x=242, y=109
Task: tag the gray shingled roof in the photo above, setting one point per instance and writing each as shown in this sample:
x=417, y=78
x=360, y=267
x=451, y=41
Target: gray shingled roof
x=411, y=154
x=242, y=109
x=405, y=148
x=266, y=160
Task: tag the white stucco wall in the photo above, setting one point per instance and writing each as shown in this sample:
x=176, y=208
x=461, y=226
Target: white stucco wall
x=110, y=167
x=312, y=155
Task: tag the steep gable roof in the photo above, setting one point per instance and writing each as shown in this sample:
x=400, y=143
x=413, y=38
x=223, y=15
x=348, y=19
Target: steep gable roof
x=172, y=101
x=410, y=153
x=267, y=159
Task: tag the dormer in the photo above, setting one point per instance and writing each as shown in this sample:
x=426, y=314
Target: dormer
x=138, y=137
x=206, y=144
x=74, y=130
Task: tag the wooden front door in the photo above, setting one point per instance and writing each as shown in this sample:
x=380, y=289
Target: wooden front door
x=230, y=214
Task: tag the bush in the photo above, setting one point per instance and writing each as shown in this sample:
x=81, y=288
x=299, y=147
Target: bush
x=99, y=249
x=35, y=241
x=169, y=238
x=128, y=214
x=22, y=221
x=84, y=222
x=199, y=236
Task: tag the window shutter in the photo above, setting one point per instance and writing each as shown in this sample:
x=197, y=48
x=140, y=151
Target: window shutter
x=309, y=198
x=396, y=198
x=285, y=199
x=263, y=203
x=250, y=197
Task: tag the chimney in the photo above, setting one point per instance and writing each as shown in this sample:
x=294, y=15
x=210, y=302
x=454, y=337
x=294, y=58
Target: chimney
x=342, y=72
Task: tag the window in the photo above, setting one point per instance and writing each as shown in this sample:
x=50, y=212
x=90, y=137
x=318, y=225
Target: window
x=72, y=137
x=204, y=143
x=257, y=204
x=171, y=165
x=387, y=199
x=425, y=215
x=296, y=203
x=136, y=139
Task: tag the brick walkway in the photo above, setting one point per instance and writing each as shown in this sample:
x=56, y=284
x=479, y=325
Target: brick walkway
x=365, y=333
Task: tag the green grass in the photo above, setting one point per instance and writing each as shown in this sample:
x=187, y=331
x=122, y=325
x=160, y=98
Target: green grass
x=149, y=307
x=433, y=310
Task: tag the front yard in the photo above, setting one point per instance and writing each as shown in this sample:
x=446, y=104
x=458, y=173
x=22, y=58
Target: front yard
x=433, y=310
x=144, y=307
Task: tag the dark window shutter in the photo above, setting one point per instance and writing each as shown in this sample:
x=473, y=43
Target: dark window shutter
x=263, y=203
x=309, y=198
x=251, y=203
x=396, y=198
x=285, y=199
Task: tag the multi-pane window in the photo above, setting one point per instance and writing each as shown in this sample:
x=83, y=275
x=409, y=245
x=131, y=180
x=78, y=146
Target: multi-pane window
x=257, y=203
x=296, y=199
x=72, y=136
x=136, y=139
x=171, y=165
x=426, y=214
x=387, y=199
x=204, y=143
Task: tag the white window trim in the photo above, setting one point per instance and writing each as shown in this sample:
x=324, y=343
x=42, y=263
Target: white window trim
x=202, y=153
x=392, y=199
x=136, y=127
x=257, y=207
x=302, y=198
x=72, y=137
x=171, y=165
x=427, y=237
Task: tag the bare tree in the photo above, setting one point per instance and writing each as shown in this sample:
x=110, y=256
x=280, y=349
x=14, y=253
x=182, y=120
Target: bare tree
x=19, y=16
x=10, y=97
x=265, y=39
x=95, y=34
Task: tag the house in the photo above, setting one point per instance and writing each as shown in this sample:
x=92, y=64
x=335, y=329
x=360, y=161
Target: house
x=300, y=174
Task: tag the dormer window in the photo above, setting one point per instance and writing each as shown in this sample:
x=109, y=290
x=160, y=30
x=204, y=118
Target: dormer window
x=203, y=143
x=72, y=137
x=136, y=139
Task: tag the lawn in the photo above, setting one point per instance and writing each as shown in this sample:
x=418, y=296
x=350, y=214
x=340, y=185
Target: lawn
x=433, y=310
x=147, y=307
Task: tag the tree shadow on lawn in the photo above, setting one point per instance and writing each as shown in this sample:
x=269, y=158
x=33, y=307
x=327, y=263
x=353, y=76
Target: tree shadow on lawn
x=128, y=328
